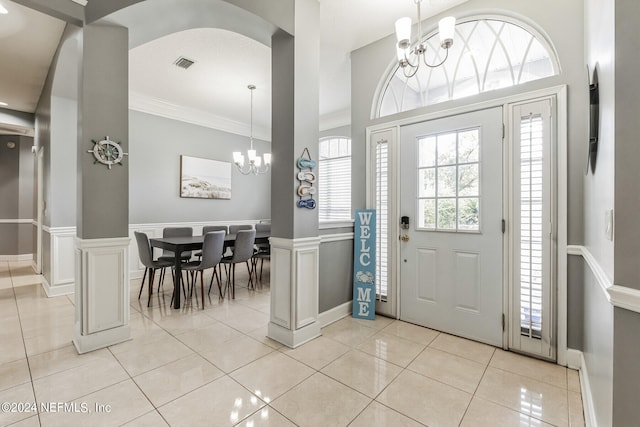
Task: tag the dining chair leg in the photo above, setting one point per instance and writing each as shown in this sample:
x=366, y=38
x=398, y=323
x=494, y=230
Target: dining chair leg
x=152, y=274
x=250, y=284
x=261, y=265
x=214, y=275
x=142, y=284
x=202, y=286
x=233, y=282
x=161, y=279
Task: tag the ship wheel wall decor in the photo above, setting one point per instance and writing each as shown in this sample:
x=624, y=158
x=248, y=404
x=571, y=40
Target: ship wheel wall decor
x=107, y=152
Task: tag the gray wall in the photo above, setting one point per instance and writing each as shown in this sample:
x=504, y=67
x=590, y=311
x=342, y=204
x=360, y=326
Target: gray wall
x=575, y=310
x=599, y=188
x=626, y=369
x=16, y=194
x=336, y=271
x=9, y=177
x=336, y=258
x=156, y=144
x=626, y=351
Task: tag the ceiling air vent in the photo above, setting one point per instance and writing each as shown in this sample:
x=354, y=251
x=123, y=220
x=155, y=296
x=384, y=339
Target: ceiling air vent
x=183, y=62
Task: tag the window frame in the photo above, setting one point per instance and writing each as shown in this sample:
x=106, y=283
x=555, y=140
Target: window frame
x=336, y=222
x=391, y=69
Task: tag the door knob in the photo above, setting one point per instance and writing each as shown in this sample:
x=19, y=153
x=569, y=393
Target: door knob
x=404, y=237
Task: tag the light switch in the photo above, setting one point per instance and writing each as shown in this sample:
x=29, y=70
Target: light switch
x=608, y=224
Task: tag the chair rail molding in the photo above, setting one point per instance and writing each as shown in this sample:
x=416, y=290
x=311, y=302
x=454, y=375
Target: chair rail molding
x=618, y=295
x=102, y=293
x=294, y=290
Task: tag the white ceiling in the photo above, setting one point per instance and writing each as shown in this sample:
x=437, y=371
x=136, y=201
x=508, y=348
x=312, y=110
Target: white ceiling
x=226, y=62
x=28, y=41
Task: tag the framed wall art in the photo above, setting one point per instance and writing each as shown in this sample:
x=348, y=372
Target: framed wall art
x=204, y=178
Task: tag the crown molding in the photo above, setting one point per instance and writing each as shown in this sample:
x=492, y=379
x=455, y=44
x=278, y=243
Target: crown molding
x=80, y=2
x=162, y=108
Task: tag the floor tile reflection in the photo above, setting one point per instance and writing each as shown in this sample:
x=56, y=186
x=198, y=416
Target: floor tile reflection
x=216, y=366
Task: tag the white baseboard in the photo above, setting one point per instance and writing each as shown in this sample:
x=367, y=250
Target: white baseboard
x=574, y=359
x=576, y=356
x=333, y=315
x=16, y=258
x=56, y=291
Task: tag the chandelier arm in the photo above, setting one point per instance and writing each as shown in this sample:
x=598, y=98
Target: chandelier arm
x=424, y=59
x=410, y=74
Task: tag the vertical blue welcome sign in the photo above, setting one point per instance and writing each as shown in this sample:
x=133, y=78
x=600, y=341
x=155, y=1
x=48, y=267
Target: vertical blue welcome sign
x=364, y=264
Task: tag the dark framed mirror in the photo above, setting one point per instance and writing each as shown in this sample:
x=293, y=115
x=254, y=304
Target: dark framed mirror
x=593, y=120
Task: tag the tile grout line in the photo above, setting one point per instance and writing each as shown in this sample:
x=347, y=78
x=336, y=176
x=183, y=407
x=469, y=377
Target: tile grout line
x=24, y=344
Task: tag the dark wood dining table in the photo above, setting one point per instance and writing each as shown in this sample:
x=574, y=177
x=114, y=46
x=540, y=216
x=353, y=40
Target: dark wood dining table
x=177, y=245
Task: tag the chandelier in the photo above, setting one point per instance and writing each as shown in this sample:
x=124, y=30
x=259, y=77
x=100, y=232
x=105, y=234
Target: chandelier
x=255, y=165
x=409, y=58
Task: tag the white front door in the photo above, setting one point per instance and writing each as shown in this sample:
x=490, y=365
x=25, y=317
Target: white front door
x=451, y=253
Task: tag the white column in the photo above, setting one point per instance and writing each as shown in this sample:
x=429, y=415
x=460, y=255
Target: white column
x=102, y=293
x=294, y=290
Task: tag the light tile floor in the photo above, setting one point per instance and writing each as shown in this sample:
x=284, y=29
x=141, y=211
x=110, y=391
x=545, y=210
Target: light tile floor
x=215, y=367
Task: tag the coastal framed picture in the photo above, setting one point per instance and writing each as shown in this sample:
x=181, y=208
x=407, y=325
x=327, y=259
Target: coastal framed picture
x=204, y=178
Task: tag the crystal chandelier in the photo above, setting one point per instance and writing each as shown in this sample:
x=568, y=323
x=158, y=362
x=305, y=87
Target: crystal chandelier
x=409, y=58
x=255, y=165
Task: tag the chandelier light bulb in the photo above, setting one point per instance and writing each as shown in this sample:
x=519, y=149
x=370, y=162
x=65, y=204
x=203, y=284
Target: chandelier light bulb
x=447, y=27
x=410, y=59
x=403, y=32
x=255, y=162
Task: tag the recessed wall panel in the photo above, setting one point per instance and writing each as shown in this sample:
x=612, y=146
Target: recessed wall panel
x=467, y=280
x=427, y=273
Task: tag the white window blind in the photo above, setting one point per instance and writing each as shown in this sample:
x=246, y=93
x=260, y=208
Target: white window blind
x=531, y=225
x=382, y=219
x=334, y=175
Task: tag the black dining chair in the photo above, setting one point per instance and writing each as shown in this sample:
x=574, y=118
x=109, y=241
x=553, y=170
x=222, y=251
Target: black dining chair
x=242, y=252
x=151, y=265
x=212, y=247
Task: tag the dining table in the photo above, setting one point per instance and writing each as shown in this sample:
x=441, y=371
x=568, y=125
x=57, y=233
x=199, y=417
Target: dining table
x=178, y=245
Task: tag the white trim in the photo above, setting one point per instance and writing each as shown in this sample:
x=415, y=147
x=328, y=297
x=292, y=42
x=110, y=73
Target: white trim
x=625, y=297
x=528, y=25
x=102, y=293
x=587, y=396
x=59, y=230
x=327, y=238
x=334, y=314
x=16, y=258
x=56, y=291
x=17, y=221
x=324, y=225
x=468, y=108
x=598, y=272
x=618, y=295
x=574, y=359
x=80, y=2
x=169, y=110
x=560, y=91
x=294, y=290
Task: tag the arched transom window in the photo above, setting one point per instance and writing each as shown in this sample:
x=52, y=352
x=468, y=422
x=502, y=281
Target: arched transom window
x=487, y=54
